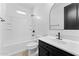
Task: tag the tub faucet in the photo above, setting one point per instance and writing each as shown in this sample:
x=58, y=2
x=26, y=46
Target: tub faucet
x=59, y=36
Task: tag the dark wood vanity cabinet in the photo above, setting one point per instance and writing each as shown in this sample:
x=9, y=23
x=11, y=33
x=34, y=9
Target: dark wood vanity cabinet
x=71, y=16
x=48, y=50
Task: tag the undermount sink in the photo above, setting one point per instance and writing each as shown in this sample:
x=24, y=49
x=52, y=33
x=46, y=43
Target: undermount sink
x=60, y=41
x=63, y=41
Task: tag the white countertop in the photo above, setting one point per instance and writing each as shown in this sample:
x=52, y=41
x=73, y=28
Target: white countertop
x=64, y=44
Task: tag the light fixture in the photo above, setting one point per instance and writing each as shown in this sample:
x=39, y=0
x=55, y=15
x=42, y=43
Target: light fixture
x=21, y=12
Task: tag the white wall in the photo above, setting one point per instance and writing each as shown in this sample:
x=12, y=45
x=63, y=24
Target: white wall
x=2, y=14
x=43, y=23
x=17, y=26
x=68, y=34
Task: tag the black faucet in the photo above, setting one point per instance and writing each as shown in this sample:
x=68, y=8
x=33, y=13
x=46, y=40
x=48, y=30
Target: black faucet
x=59, y=36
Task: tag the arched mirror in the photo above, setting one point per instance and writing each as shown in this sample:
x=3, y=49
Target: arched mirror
x=56, y=16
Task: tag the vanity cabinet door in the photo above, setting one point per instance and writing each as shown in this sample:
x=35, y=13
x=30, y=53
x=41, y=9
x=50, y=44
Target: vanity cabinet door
x=42, y=51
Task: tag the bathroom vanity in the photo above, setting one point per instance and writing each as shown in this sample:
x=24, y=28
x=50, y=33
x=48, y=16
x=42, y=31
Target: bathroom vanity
x=46, y=49
x=50, y=46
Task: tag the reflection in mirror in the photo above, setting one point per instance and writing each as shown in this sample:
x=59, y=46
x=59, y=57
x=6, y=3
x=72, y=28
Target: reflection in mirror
x=56, y=16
